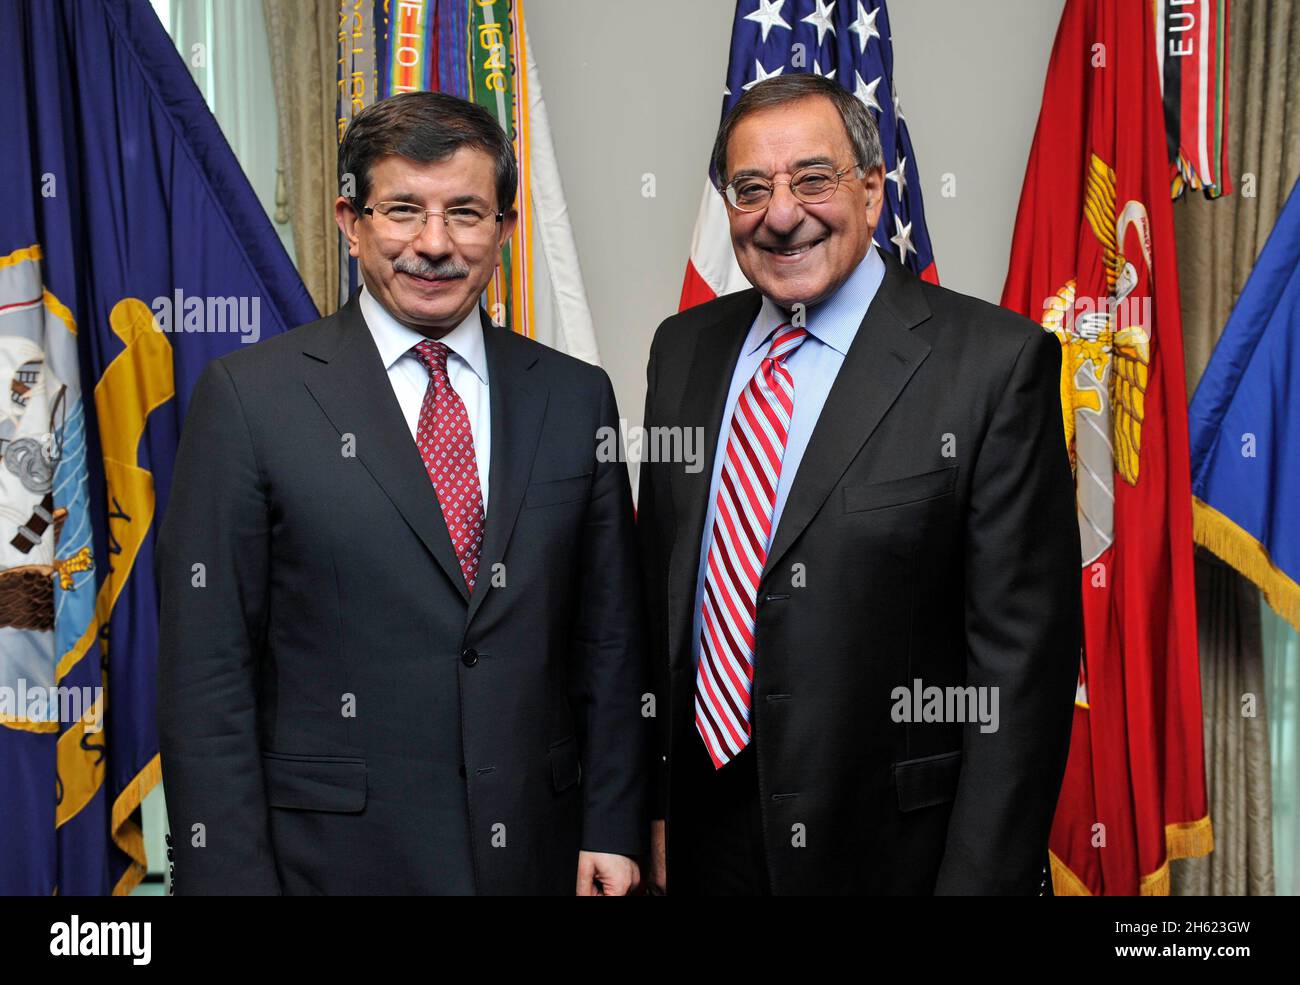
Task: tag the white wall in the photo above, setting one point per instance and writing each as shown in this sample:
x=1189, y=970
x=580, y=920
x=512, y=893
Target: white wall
x=635, y=89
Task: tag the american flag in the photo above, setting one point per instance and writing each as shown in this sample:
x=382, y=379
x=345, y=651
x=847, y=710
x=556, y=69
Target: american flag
x=845, y=40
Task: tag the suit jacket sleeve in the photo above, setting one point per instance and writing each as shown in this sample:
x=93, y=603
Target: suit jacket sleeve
x=1022, y=576
x=654, y=576
x=610, y=665
x=212, y=562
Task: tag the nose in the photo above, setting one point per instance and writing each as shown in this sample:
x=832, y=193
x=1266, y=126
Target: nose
x=434, y=239
x=784, y=211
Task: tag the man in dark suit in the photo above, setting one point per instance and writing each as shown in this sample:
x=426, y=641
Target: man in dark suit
x=401, y=640
x=864, y=608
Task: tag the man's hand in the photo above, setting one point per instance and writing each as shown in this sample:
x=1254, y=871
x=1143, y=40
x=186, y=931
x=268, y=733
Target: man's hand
x=658, y=860
x=603, y=874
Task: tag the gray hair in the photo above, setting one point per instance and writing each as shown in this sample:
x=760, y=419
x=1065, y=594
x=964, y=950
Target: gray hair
x=858, y=122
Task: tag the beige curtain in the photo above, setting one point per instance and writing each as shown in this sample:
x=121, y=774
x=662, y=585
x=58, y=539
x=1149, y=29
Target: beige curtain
x=1218, y=242
x=303, y=37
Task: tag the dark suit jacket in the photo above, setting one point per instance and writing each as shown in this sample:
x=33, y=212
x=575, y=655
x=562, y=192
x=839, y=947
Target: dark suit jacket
x=933, y=517
x=336, y=712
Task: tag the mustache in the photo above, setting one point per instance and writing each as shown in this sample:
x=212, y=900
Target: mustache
x=445, y=269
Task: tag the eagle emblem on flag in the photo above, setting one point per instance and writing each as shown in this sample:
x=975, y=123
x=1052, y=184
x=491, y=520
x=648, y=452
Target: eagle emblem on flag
x=1106, y=349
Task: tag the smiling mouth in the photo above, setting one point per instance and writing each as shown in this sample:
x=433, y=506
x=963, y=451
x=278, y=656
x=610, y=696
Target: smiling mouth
x=793, y=251
x=427, y=279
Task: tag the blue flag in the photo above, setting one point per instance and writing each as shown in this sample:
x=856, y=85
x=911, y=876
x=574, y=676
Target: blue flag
x=1245, y=426
x=132, y=251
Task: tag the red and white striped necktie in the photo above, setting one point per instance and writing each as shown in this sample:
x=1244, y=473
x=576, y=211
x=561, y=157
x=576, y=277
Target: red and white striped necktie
x=742, y=528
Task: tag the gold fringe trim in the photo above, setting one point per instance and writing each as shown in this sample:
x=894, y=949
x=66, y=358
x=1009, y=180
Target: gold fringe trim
x=1190, y=839
x=1218, y=533
x=1064, y=881
x=1156, y=883
x=126, y=833
x=22, y=255
x=60, y=311
x=1183, y=839
x=27, y=725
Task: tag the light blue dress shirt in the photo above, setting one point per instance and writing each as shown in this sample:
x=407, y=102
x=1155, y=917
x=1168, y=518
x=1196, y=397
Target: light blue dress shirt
x=831, y=325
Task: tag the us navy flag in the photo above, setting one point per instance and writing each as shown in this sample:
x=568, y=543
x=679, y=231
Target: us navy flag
x=132, y=251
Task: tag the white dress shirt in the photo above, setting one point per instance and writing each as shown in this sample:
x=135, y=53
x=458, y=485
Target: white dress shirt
x=466, y=369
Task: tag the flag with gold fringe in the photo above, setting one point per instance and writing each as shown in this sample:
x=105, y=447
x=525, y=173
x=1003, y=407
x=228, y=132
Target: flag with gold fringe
x=1093, y=261
x=132, y=251
x=1244, y=419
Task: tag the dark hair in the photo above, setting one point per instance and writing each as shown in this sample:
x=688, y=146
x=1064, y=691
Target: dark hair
x=858, y=122
x=425, y=127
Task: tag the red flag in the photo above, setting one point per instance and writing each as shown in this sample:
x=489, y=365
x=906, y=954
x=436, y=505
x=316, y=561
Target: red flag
x=1093, y=261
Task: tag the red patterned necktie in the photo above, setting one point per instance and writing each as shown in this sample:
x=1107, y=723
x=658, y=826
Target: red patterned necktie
x=742, y=528
x=447, y=446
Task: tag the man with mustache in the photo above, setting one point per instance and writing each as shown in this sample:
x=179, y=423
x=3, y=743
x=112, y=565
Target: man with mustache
x=401, y=643
x=886, y=508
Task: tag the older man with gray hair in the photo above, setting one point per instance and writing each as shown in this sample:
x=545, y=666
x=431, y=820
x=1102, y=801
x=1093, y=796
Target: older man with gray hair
x=886, y=509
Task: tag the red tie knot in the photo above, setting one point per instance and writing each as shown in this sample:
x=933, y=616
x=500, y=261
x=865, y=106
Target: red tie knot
x=785, y=340
x=433, y=355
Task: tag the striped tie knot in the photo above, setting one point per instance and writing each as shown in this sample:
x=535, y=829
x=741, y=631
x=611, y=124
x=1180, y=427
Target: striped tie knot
x=785, y=340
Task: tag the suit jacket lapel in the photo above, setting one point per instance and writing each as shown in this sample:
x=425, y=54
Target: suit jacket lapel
x=881, y=359
x=352, y=388
x=518, y=400
x=717, y=347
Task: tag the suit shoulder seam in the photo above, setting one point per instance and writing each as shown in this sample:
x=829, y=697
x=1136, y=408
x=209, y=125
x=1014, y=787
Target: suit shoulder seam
x=243, y=417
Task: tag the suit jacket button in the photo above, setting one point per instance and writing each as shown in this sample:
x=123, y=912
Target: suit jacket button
x=469, y=656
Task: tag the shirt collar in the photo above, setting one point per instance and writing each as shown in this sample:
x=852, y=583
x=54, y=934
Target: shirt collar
x=833, y=322
x=394, y=340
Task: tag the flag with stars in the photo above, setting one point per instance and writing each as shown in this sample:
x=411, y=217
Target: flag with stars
x=845, y=40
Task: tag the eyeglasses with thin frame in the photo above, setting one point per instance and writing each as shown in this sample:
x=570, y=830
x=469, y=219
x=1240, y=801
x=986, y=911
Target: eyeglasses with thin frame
x=809, y=185
x=403, y=220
